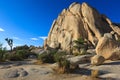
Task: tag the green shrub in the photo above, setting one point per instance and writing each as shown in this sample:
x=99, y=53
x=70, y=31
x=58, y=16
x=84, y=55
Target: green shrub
x=80, y=46
x=2, y=52
x=63, y=63
x=24, y=47
x=58, y=56
x=46, y=57
x=5, y=56
x=82, y=52
x=14, y=57
x=22, y=53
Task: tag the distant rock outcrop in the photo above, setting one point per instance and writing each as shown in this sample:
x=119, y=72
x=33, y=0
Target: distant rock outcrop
x=79, y=20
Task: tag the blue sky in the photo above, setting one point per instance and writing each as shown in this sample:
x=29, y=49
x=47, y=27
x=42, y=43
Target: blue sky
x=29, y=21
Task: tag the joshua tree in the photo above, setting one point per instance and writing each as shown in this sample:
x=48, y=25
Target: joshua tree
x=10, y=42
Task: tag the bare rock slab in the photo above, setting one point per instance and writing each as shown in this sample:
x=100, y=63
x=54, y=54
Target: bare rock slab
x=79, y=59
x=14, y=73
x=5, y=66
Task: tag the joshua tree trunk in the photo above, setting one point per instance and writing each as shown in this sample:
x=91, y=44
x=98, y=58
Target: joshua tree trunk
x=11, y=48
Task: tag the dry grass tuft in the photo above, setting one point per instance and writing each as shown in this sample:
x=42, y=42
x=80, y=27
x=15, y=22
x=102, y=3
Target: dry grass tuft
x=38, y=62
x=94, y=73
x=59, y=70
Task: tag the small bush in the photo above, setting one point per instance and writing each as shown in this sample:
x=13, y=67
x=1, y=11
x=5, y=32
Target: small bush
x=22, y=53
x=38, y=62
x=24, y=47
x=63, y=63
x=5, y=56
x=2, y=52
x=64, y=66
x=14, y=57
x=1, y=55
x=94, y=73
x=82, y=52
x=46, y=57
x=58, y=56
x=80, y=46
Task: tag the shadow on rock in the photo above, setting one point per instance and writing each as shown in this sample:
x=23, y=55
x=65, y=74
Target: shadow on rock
x=112, y=63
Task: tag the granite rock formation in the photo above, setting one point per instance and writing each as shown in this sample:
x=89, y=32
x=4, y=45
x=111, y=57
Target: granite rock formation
x=79, y=20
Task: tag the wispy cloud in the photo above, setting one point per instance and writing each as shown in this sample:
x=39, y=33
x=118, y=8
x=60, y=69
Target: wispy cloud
x=37, y=38
x=43, y=37
x=34, y=39
x=17, y=38
x=6, y=46
x=14, y=45
x=2, y=30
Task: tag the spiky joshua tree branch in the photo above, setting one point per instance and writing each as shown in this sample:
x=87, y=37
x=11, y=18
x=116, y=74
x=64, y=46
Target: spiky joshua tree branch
x=10, y=42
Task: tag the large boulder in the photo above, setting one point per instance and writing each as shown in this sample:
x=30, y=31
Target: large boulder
x=75, y=61
x=108, y=47
x=97, y=60
x=36, y=50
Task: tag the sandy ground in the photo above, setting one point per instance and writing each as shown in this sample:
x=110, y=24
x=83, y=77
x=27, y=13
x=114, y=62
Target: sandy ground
x=109, y=70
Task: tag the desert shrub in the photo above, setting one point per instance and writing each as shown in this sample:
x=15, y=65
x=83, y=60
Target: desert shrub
x=24, y=47
x=5, y=56
x=14, y=57
x=2, y=52
x=22, y=53
x=80, y=47
x=63, y=63
x=59, y=55
x=38, y=62
x=94, y=73
x=82, y=52
x=46, y=57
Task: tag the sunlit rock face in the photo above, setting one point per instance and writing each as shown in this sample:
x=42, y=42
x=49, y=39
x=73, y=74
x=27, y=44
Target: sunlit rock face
x=79, y=20
x=108, y=47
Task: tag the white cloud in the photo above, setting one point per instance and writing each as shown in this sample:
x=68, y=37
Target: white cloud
x=43, y=37
x=34, y=39
x=14, y=45
x=2, y=30
x=16, y=38
x=8, y=47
